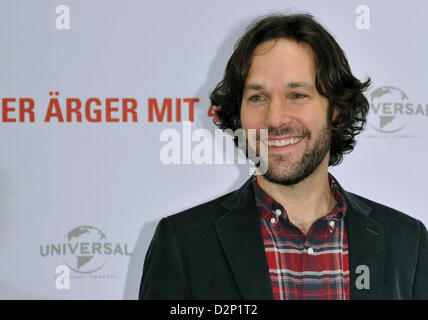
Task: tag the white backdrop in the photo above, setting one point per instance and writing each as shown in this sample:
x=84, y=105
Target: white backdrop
x=103, y=184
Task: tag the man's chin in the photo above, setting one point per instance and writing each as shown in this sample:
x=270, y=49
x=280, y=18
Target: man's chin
x=289, y=174
x=283, y=179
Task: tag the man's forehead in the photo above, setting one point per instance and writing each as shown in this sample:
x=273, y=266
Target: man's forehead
x=297, y=66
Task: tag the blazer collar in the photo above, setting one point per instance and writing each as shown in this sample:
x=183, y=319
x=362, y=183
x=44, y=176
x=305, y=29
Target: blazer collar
x=366, y=247
x=240, y=235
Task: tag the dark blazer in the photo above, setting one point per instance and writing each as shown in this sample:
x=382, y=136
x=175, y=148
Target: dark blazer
x=215, y=251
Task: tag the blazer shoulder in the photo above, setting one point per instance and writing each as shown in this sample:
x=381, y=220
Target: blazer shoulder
x=388, y=216
x=200, y=214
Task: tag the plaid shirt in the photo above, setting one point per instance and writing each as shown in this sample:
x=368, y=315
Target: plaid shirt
x=314, y=266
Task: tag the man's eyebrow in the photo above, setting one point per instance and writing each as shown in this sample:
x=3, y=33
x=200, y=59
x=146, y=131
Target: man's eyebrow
x=253, y=86
x=299, y=84
x=289, y=85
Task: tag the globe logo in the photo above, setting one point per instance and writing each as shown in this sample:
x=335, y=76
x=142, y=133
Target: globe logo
x=85, y=243
x=390, y=109
x=85, y=249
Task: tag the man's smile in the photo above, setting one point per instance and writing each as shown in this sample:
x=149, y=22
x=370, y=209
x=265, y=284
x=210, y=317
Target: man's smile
x=282, y=143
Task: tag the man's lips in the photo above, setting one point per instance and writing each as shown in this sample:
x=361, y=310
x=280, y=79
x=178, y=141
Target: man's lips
x=277, y=142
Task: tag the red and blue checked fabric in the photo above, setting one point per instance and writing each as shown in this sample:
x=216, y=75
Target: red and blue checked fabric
x=311, y=267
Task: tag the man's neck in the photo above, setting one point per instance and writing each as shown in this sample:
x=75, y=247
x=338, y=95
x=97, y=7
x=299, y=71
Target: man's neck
x=306, y=201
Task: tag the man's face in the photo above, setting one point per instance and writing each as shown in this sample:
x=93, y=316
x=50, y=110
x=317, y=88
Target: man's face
x=280, y=95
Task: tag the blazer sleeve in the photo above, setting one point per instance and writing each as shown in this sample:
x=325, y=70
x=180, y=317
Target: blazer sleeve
x=163, y=272
x=420, y=284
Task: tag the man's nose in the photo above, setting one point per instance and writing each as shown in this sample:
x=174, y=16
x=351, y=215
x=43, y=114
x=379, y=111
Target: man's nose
x=278, y=113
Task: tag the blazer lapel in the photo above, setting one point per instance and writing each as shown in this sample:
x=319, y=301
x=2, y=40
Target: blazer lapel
x=366, y=244
x=240, y=236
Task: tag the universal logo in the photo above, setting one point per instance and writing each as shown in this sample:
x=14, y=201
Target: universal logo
x=86, y=249
x=391, y=110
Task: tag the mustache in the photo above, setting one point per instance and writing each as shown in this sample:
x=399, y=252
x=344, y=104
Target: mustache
x=290, y=130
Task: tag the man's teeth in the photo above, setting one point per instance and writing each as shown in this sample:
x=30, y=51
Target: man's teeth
x=285, y=142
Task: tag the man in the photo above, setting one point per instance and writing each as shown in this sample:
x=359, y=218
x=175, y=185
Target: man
x=293, y=232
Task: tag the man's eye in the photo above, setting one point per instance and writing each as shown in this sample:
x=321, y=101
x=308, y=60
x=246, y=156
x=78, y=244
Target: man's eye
x=257, y=98
x=299, y=96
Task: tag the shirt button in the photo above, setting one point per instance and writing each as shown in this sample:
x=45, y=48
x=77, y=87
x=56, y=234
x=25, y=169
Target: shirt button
x=272, y=220
x=310, y=251
x=278, y=212
x=331, y=223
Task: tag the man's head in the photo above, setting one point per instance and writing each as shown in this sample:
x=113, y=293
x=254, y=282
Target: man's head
x=287, y=74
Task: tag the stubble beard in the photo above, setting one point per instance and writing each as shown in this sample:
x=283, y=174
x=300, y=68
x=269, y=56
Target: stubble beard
x=312, y=157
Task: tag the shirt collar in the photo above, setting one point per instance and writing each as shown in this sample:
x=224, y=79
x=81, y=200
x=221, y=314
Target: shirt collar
x=266, y=202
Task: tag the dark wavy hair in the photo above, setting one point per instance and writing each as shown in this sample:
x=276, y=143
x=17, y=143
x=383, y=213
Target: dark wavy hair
x=334, y=79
